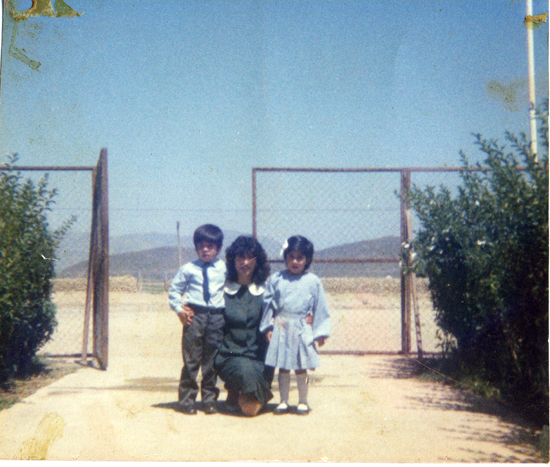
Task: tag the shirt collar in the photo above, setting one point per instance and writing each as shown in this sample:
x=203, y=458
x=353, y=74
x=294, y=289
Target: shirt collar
x=231, y=288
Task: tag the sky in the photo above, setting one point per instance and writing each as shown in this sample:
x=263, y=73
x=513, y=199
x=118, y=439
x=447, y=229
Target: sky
x=189, y=96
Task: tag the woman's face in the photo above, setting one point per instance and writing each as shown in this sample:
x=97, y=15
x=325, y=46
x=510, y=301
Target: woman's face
x=296, y=262
x=245, y=265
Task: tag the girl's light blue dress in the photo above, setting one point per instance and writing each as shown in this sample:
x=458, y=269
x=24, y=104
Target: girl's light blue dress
x=288, y=299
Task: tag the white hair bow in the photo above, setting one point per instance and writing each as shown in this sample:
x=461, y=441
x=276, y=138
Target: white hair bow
x=283, y=248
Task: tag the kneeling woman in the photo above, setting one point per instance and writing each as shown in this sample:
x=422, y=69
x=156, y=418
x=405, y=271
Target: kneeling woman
x=240, y=360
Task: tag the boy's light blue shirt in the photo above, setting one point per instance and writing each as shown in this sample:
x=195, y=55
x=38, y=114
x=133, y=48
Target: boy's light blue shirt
x=189, y=279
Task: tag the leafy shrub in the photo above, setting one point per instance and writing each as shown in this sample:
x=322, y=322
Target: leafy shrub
x=27, y=250
x=485, y=252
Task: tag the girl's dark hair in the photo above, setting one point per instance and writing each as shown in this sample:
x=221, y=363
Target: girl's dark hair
x=301, y=244
x=208, y=233
x=242, y=245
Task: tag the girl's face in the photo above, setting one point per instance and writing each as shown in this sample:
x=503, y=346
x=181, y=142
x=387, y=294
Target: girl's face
x=245, y=265
x=295, y=262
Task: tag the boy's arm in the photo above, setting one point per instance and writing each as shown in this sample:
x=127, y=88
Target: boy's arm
x=176, y=295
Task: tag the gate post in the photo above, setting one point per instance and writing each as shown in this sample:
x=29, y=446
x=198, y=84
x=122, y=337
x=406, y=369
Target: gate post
x=101, y=264
x=405, y=295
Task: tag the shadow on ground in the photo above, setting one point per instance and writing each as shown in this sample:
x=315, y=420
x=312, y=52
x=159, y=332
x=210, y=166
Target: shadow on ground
x=514, y=430
x=221, y=407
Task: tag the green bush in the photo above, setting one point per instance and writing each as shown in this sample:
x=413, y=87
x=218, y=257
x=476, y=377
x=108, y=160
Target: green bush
x=27, y=253
x=485, y=252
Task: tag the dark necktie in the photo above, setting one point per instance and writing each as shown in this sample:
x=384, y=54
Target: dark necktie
x=205, y=285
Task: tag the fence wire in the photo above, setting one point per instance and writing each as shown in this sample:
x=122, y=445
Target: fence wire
x=354, y=219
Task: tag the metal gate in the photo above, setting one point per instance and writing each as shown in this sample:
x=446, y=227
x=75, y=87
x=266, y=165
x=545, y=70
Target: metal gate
x=82, y=305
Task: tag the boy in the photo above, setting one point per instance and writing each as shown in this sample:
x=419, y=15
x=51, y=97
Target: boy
x=202, y=317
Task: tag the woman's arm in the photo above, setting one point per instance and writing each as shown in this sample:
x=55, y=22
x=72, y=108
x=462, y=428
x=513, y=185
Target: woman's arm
x=268, y=307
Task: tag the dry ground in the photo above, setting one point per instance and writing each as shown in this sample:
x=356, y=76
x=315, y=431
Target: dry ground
x=366, y=313
x=365, y=409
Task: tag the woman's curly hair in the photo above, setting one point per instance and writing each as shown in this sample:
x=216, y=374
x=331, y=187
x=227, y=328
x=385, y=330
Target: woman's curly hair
x=246, y=244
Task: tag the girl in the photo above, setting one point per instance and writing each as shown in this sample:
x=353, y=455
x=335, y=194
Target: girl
x=295, y=316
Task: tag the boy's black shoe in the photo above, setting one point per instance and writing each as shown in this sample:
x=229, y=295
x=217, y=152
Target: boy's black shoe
x=210, y=408
x=188, y=409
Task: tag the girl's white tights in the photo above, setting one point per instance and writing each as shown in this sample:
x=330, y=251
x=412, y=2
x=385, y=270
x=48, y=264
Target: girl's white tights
x=301, y=380
x=284, y=386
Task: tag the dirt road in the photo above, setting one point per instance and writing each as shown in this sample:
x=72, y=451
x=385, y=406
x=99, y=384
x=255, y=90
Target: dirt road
x=365, y=409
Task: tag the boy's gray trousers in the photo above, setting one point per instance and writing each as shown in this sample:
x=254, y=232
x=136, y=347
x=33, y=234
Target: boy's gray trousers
x=200, y=343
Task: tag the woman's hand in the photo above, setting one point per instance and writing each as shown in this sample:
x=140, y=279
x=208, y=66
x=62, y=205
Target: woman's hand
x=320, y=341
x=268, y=335
x=309, y=319
x=186, y=315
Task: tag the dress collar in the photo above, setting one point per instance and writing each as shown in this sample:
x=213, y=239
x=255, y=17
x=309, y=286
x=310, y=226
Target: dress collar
x=231, y=288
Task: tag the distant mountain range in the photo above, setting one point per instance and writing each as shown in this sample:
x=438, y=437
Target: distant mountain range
x=155, y=256
x=75, y=247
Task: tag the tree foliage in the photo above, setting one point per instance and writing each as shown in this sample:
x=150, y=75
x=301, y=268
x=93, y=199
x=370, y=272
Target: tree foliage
x=27, y=254
x=485, y=252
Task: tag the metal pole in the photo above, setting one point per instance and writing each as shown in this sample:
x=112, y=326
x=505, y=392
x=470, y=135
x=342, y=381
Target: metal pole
x=405, y=283
x=531, y=74
x=254, y=232
x=179, y=243
x=91, y=269
x=101, y=265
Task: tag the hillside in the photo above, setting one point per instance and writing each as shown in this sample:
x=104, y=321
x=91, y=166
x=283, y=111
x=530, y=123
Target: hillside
x=161, y=264
x=75, y=247
x=380, y=248
x=386, y=247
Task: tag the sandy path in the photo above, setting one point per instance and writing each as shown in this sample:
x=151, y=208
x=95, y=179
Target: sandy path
x=365, y=409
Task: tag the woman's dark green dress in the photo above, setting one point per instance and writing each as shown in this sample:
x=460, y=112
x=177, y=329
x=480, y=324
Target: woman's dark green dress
x=240, y=360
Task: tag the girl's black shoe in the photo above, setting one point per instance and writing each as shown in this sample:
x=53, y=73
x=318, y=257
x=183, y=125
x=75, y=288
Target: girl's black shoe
x=281, y=409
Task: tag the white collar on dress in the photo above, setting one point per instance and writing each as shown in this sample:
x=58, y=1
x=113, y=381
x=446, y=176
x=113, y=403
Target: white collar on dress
x=231, y=288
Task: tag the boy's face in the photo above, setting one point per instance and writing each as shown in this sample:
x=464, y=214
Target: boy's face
x=207, y=251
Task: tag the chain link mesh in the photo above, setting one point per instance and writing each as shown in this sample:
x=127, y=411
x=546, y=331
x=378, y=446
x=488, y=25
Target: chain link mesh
x=74, y=198
x=350, y=216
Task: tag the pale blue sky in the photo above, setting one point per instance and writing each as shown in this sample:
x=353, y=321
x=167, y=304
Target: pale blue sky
x=188, y=96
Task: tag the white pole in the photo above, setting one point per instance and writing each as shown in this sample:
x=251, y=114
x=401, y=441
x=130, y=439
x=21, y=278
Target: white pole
x=531, y=66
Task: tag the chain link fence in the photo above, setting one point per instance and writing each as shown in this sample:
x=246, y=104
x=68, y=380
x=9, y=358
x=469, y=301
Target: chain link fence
x=354, y=217
x=356, y=221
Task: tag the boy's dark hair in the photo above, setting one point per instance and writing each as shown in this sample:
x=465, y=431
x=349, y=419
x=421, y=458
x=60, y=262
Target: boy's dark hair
x=301, y=244
x=242, y=245
x=208, y=233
